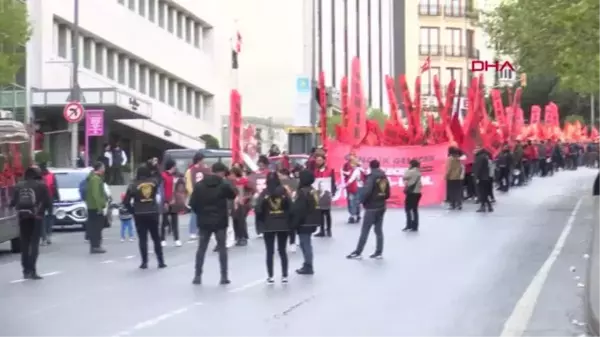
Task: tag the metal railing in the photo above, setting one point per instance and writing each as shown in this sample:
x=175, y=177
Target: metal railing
x=455, y=51
x=430, y=50
x=430, y=9
x=454, y=11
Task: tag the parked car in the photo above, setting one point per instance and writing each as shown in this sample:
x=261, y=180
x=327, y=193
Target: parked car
x=183, y=158
x=11, y=132
x=70, y=210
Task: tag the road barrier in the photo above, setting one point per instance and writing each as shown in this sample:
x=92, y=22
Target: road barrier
x=592, y=289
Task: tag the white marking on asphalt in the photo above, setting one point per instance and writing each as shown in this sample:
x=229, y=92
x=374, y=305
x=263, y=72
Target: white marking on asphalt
x=21, y=280
x=154, y=321
x=247, y=286
x=517, y=322
x=108, y=261
x=129, y=257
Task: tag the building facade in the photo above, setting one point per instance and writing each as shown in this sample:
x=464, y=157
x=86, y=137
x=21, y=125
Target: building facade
x=447, y=38
x=162, y=58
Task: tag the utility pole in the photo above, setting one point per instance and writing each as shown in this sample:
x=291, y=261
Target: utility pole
x=75, y=89
x=592, y=108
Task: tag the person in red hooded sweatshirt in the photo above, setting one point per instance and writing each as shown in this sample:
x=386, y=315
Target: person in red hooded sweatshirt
x=241, y=205
x=325, y=180
x=353, y=176
x=170, y=217
x=530, y=159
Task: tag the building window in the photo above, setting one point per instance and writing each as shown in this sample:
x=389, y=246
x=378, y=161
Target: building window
x=152, y=83
x=181, y=90
x=172, y=92
x=132, y=5
x=99, y=58
x=162, y=88
x=171, y=20
x=180, y=25
x=63, y=33
x=197, y=34
x=152, y=10
x=189, y=99
x=198, y=104
x=110, y=64
x=87, y=53
x=429, y=41
x=429, y=7
x=455, y=42
x=161, y=14
x=142, y=7
x=454, y=74
x=121, y=68
x=132, y=74
x=143, y=71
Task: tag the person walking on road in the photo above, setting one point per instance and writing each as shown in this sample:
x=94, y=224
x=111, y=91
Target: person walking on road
x=455, y=173
x=32, y=201
x=375, y=194
x=412, y=192
x=141, y=200
x=172, y=205
x=483, y=170
x=210, y=197
x=306, y=217
x=96, y=201
x=241, y=206
x=273, y=211
x=194, y=174
x=48, y=222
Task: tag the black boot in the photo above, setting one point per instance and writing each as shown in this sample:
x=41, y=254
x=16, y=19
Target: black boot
x=328, y=233
x=480, y=210
x=306, y=269
x=320, y=234
x=490, y=208
x=197, y=280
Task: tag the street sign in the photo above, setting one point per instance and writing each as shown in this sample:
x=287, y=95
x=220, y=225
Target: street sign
x=73, y=112
x=304, y=99
x=302, y=84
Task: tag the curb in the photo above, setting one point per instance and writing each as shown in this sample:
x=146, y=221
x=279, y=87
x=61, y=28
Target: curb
x=591, y=296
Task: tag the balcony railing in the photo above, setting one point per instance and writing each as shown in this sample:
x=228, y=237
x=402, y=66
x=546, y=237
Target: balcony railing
x=430, y=9
x=460, y=11
x=430, y=50
x=474, y=53
x=455, y=51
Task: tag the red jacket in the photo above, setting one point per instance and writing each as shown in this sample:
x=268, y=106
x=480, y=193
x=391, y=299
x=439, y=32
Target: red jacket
x=243, y=184
x=168, y=185
x=325, y=172
x=529, y=153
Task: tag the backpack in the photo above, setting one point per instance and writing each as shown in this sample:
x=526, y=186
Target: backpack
x=117, y=158
x=26, y=202
x=83, y=189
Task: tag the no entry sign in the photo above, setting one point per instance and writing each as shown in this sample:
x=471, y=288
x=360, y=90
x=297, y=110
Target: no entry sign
x=73, y=112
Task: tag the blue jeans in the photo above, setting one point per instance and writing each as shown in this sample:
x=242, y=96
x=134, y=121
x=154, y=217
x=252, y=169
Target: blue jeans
x=354, y=204
x=306, y=247
x=193, y=223
x=47, y=225
x=126, y=226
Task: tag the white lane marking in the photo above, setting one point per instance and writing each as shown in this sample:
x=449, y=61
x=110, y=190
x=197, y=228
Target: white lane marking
x=517, y=322
x=154, y=321
x=108, y=261
x=129, y=257
x=21, y=280
x=246, y=286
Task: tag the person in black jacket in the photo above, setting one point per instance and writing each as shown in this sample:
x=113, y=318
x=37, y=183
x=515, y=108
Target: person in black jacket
x=375, y=194
x=596, y=187
x=483, y=172
x=306, y=217
x=272, y=211
x=210, y=198
x=505, y=164
x=31, y=200
x=140, y=200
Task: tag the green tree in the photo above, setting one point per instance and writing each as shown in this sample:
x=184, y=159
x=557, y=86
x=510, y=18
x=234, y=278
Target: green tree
x=14, y=34
x=210, y=142
x=558, y=37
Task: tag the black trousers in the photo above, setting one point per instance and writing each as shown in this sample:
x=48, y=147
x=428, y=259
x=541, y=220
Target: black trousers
x=148, y=224
x=325, y=226
x=203, y=241
x=292, y=235
x=240, y=224
x=504, y=178
x=485, y=196
x=455, y=193
x=94, y=227
x=31, y=230
x=411, y=207
x=281, y=238
x=170, y=220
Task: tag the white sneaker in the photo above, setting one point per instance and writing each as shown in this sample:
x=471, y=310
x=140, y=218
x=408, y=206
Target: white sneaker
x=293, y=248
x=122, y=240
x=131, y=239
x=163, y=243
x=193, y=237
x=178, y=243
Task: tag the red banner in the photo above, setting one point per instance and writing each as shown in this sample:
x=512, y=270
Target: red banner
x=357, y=107
x=535, y=115
x=394, y=161
x=235, y=123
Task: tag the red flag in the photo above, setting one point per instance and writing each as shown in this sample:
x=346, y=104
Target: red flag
x=594, y=134
x=437, y=89
x=391, y=93
x=345, y=109
x=426, y=65
x=235, y=121
x=408, y=106
x=357, y=106
x=535, y=114
x=323, y=109
x=417, y=111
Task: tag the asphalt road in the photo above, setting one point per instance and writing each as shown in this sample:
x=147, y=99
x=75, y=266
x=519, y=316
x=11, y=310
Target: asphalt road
x=465, y=273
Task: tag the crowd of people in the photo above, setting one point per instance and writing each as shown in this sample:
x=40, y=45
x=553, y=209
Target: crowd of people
x=291, y=205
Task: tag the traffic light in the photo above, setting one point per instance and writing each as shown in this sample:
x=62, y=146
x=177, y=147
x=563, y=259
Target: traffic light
x=523, y=79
